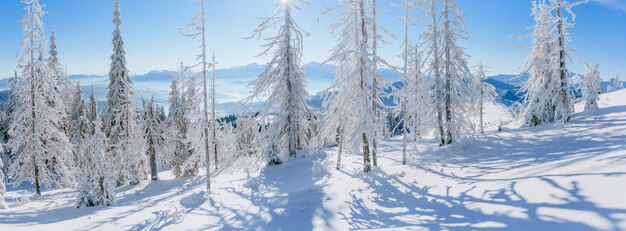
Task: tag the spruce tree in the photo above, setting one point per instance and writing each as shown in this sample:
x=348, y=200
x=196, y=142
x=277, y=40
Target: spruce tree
x=66, y=87
x=95, y=185
x=41, y=146
x=616, y=83
x=121, y=125
x=485, y=93
x=80, y=125
x=592, y=89
x=3, y=188
x=153, y=133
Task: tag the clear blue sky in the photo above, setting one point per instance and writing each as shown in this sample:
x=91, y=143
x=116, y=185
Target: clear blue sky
x=153, y=43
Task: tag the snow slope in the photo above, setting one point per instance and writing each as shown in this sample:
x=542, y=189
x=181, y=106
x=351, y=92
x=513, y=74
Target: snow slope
x=546, y=178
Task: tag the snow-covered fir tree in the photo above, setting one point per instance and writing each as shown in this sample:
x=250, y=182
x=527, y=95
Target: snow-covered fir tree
x=485, y=93
x=42, y=148
x=283, y=81
x=616, y=84
x=3, y=188
x=548, y=97
x=94, y=111
x=95, y=176
x=248, y=136
x=121, y=125
x=80, y=125
x=592, y=88
x=5, y=123
x=540, y=88
x=350, y=109
x=185, y=134
x=66, y=87
x=153, y=128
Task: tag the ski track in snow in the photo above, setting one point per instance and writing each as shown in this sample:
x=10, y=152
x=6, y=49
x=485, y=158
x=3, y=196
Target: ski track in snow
x=551, y=177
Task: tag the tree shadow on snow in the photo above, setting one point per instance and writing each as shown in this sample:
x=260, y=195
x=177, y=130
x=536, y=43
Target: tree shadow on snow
x=394, y=203
x=466, y=202
x=282, y=197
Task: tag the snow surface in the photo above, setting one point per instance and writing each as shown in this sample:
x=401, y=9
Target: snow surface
x=551, y=177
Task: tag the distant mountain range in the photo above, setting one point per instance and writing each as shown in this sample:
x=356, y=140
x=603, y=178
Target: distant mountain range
x=233, y=84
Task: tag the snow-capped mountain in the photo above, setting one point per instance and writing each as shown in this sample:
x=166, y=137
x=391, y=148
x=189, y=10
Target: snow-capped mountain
x=233, y=83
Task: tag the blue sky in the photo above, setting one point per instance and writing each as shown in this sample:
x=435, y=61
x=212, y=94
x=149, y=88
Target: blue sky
x=153, y=43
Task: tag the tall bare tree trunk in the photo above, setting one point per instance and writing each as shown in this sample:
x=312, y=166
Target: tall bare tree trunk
x=363, y=46
x=448, y=84
x=374, y=82
x=436, y=65
x=206, y=102
x=562, y=66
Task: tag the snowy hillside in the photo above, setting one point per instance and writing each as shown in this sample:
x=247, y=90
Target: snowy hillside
x=545, y=178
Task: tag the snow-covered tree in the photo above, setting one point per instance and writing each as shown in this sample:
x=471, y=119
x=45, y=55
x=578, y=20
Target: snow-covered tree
x=248, y=136
x=408, y=19
x=3, y=188
x=540, y=88
x=458, y=94
x=213, y=124
x=592, y=87
x=66, y=87
x=94, y=111
x=121, y=123
x=95, y=178
x=283, y=81
x=418, y=114
x=198, y=28
x=485, y=93
x=349, y=109
x=80, y=125
x=433, y=54
x=378, y=82
x=42, y=149
x=185, y=127
x=548, y=97
x=616, y=84
x=153, y=133
x=5, y=123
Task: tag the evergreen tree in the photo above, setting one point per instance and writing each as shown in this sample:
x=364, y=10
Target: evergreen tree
x=94, y=111
x=485, y=93
x=548, y=97
x=80, y=125
x=592, y=87
x=248, y=136
x=153, y=133
x=5, y=123
x=95, y=177
x=3, y=188
x=183, y=120
x=284, y=80
x=42, y=149
x=120, y=113
x=616, y=84
x=66, y=87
